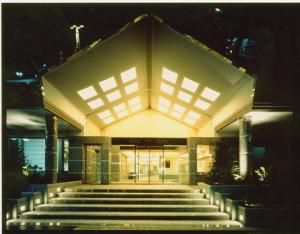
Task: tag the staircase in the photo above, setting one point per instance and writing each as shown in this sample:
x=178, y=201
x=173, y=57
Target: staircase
x=127, y=208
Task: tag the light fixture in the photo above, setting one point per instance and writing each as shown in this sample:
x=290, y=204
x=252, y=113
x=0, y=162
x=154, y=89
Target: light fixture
x=119, y=107
x=210, y=94
x=163, y=101
x=37, y=201
x=122, y=114
x=134, y=101
x=169, y=75
x=131, y=88
x=228, y=208
x=189, y=120
x=241, y=217
x=104, y=114
x=50, y=224
x=23, y=223
x=22, y=208
x=178, y=108
x=162, y=108
x=176, y=114
x=184, y=96
x=136, y=108
x=87, y=93
x=37, y=224
x=96, y=103
x=189, y=85
x=194, y=115
x=109, y=120
x=108, y=84
x=51, y=194
x=201, y=104
x=7, y=215
x=128, y=75
x=113, y=96
x=166, y=88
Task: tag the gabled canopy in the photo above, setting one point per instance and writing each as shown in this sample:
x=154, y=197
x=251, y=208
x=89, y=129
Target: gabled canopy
x=145, y=65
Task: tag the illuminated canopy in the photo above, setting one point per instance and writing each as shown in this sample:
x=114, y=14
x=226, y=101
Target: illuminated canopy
x=145, y=65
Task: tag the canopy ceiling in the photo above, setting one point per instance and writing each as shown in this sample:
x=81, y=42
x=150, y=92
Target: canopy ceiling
x=146, y=64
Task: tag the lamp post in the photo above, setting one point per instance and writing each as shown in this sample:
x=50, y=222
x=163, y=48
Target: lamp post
x=77, y=41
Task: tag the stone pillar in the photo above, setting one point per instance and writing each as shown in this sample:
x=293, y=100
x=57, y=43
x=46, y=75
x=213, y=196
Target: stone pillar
x=105, y=156
x=192, y=149
x=245, y=142
x=51, y=148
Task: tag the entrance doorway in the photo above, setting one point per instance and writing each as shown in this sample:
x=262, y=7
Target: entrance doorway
x=92, y=164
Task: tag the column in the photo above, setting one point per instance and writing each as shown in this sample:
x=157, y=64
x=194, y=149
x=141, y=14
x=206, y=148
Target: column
x=105, y=156
x=245, y=142
x=192, y=149
x=51, y=148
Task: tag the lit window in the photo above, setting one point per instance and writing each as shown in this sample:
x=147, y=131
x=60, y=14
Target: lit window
x=176, y=115
x=136, y=108
x=128, y=75
x=87, y=93
x=104, y=114
x=166, y=88
x=108, y=84
x=202, y=104
x=162, y=108
x=184, y=96
x=109, y=120
x=122, y=114
x=96, y=103
x=178, y=108
x=189, y=85
x=134, y=101
x=120, y=107
x=194, y=115
x=131, y=88
x=163, y=101
x=113, y=96
x=169, y=75
x=210, y=94
x=189, y=120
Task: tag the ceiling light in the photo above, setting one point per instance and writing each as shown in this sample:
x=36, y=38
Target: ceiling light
x=122, y=114
x=96, y=103
x=189, y=120
x=136, y=108
x=202, y=104
x=134, y=101
x=194, y=115
x=109, y=120
x=169, y=75
x=184, y=96
x=108, y=84
x=119, y=108
x=131, y=88
x=175, y=114
x=189, y=85
x=87, y=93
x=178, y=108
x=163, y=101
x=162, y=108
x=166, y=88
x=210, y=94
x=113, y=96
x=128, y=75
x=104, y=114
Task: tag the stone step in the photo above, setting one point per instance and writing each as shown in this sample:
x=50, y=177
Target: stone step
x=125, y=215
x=114, y=190
x=127, y=208
x=108, y=200
x=126, y=195
x=95, y=224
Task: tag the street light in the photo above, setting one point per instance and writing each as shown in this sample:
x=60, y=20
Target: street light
x=77, y=41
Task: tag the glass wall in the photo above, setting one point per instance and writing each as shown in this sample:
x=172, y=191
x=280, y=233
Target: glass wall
x=205, y=158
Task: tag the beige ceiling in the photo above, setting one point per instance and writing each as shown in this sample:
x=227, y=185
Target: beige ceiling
x=147, y=45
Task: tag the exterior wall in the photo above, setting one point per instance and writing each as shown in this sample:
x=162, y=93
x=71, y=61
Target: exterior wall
x=149, y=123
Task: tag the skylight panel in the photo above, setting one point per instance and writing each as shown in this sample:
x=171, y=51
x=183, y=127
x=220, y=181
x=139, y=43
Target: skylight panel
x=128, y=75
x=194, y=115
x=189, y=85
x=210, y=94
x=178, y=108
x=96, y=103
x=113, y=96
x=169, y=75
x=104, y=114
x=136, y=108
x=131, y=88
x=162, y=108
x=109, y=120
x=176, y=114
x=134, y=101
x=189, y=120
x=163, y=101
x=87, y=93
x=184, y=96
x=122, y=114
x=119, y=107
x=166, y=88
x=108, y=84
x=202, y=104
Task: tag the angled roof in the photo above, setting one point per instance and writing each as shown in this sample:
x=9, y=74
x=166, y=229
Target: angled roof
x=147, y=64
